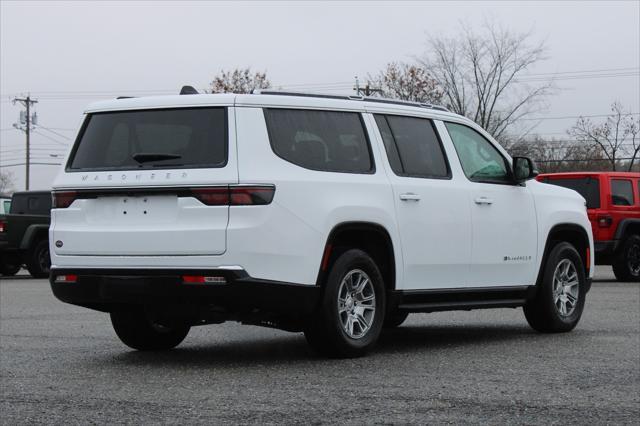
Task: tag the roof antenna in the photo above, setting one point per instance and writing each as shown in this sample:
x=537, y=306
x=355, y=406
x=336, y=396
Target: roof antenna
x=188, y=90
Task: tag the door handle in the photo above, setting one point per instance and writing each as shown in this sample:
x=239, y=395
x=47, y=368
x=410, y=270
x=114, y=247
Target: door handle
x=483, y=200
x=409, y=196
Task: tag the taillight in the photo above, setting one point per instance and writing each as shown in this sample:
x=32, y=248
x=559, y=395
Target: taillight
x=63, y=199
x=235, y=195
x=212, y=196
x=251, y=195
x=605, y=221
x=69, y=278
x=201, y=279
x=2, y=225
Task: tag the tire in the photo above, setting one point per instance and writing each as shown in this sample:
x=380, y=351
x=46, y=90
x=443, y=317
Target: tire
x=9, y=265
x=395, y=319
x=545, y=311
x=137, y=331
x=38, y=260
x=626, y=263
x=349, y=327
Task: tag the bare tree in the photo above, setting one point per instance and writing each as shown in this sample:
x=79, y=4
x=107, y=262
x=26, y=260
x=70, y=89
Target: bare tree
x=482, y=75
x=612, y=137
x=6, y=181
x=239, y=81
x=553, y=155
x=407, y=82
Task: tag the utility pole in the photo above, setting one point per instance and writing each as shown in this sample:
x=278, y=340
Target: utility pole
x=27, y=102
x=367, y=91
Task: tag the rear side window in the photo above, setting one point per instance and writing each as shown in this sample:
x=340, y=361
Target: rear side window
x=412, y=146
x=152, y=139
x=38, y=204
x=588, y=187
x=621, y=192
x=330, y=141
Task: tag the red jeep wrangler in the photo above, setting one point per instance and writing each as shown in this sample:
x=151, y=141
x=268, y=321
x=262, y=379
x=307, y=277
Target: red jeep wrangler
x=613, y=205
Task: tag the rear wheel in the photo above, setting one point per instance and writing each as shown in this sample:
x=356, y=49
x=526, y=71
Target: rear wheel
x=350, y=317
x=626, y=264
x=138, y=331
x=38, y=260
x=559, y=301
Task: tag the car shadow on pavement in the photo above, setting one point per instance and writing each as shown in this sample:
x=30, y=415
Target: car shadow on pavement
x=18, y=278
x=435, y=337
x=293, y=348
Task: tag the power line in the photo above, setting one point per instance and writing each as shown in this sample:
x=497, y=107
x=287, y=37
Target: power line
x=342, y=84
x=50, y=138
x=55, y=133
x=583, y=71
x=576, y=160
x=33, y=149
x=574, y=116
x=33, y=163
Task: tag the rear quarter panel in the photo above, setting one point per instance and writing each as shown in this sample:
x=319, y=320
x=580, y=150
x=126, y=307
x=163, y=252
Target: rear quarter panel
x=285, y=241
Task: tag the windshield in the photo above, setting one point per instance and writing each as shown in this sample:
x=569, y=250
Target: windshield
x=588, y=187
x=152, y=139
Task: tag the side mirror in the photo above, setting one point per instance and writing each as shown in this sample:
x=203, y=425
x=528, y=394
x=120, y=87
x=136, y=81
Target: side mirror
x=524, y=169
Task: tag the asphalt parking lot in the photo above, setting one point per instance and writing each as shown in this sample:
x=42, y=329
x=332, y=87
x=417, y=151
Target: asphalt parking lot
x=64, y=364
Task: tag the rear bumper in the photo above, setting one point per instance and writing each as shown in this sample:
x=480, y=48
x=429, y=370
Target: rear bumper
x=112, y=289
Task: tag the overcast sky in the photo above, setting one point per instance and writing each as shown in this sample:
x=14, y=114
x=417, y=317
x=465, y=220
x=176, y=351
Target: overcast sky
x=70, y=53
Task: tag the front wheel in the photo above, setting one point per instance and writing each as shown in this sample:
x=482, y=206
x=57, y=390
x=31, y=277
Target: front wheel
x=350, y=317
x=138, y=331
x=626, y=264
x=559, y=301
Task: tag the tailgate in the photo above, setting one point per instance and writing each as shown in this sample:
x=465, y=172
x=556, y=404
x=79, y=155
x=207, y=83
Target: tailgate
x=140, y=225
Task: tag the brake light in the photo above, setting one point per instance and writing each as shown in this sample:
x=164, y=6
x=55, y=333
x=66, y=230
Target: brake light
x=235, y=195
x=251, y=195
x=63, y=199
x=69, y=278
x=605, y=221
x=2, y=225
x=201, y=279
x=212, y=196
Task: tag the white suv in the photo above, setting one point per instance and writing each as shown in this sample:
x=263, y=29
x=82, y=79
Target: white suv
x=336, y=216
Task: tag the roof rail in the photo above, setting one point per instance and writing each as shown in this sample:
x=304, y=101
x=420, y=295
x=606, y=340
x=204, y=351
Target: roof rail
x=350, y=97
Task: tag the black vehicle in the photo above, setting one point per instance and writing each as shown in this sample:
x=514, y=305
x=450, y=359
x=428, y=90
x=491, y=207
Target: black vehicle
x=24, y=234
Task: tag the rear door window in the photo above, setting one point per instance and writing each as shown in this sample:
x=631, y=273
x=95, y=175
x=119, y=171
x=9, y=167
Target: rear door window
x=412, y=146
x=164, y=138
x=621, y=192
x=588, y=187
x=330, y=141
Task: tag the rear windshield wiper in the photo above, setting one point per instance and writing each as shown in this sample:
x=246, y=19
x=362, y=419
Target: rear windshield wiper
x=145, y=157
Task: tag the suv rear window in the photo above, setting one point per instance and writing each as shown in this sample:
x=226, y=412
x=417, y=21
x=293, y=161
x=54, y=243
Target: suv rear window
x=621, y=192
x=588, y=187
x=152, y=139
x=330, y=141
